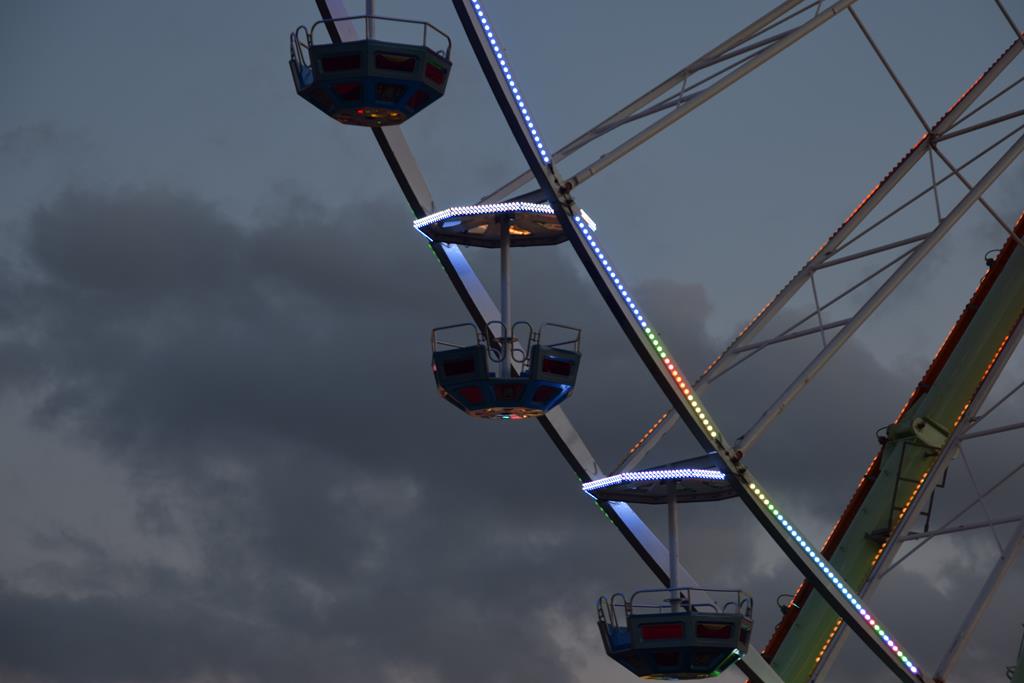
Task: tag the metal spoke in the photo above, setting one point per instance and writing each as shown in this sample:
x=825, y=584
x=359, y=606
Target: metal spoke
x=981, y=501
x=739, y=38
x=610, y=157
x=817, y=309
x=892, y=74
x=935, y=185
x=957, y=516
x=876, y=250
x=646, y=443
x=983, y=124
x=924, y=123
x=816, y=5
x=925, y=191
x=995, y=430
x=1009, y=19
x=685, y=95
x=756, y=348
x=973, y=616
x=918, y=535
x=794, y=335
x=990, y=100
x=981, y=200
x=1000, y=402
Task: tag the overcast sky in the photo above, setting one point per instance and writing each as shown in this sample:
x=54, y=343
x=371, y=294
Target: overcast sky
x=224, y=458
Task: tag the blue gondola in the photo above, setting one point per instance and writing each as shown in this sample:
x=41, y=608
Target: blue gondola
x=676, y=634
x=369, y=82
x=478, y=378
x=673, y=633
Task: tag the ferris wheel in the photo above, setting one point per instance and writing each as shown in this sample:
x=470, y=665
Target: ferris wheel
x=377, y=72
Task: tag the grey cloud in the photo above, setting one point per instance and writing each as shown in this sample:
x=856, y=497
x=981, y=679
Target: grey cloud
x=273, y=380
x=301, y=506
x=19, y=145
x=256, y=366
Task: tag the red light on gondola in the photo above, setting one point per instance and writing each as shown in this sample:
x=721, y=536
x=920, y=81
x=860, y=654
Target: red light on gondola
x=471, y=394
x=672, y=631
x=709, y=630
x=349, y=91
x=435, y=73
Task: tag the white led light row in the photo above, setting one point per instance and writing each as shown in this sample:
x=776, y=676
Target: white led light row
x=511, y=83
x=654, y=475
x=482, y=210
x=698, y=410
x=836, y=580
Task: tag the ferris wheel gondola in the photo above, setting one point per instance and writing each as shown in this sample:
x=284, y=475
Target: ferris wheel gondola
x=370, y=81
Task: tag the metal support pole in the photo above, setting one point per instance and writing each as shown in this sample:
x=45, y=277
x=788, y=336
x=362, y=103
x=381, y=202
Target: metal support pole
x=673, y=547
x=370, y=28
x=974, y=614
x=506, y=304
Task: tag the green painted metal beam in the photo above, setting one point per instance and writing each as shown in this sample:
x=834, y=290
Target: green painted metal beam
x=906, y=457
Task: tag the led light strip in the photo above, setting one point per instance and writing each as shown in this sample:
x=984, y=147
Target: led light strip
x=836, y=580
x=671, y=367
x=511, y=83
x=482, y=210
x=659, y=347
x=654, y=475
x=650, y=432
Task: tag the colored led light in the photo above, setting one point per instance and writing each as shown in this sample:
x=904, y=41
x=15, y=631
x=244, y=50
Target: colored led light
x=836, y=581
x=585, y=224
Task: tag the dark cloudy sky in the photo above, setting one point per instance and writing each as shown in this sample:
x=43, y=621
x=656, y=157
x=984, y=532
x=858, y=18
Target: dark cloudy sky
x=223, y=456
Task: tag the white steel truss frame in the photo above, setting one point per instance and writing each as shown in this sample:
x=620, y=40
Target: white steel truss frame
x=655, y=355
x=744, y=346
x=735, y=45
x=556, y=424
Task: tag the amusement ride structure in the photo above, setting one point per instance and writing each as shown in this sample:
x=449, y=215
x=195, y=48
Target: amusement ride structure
x=355, y=71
